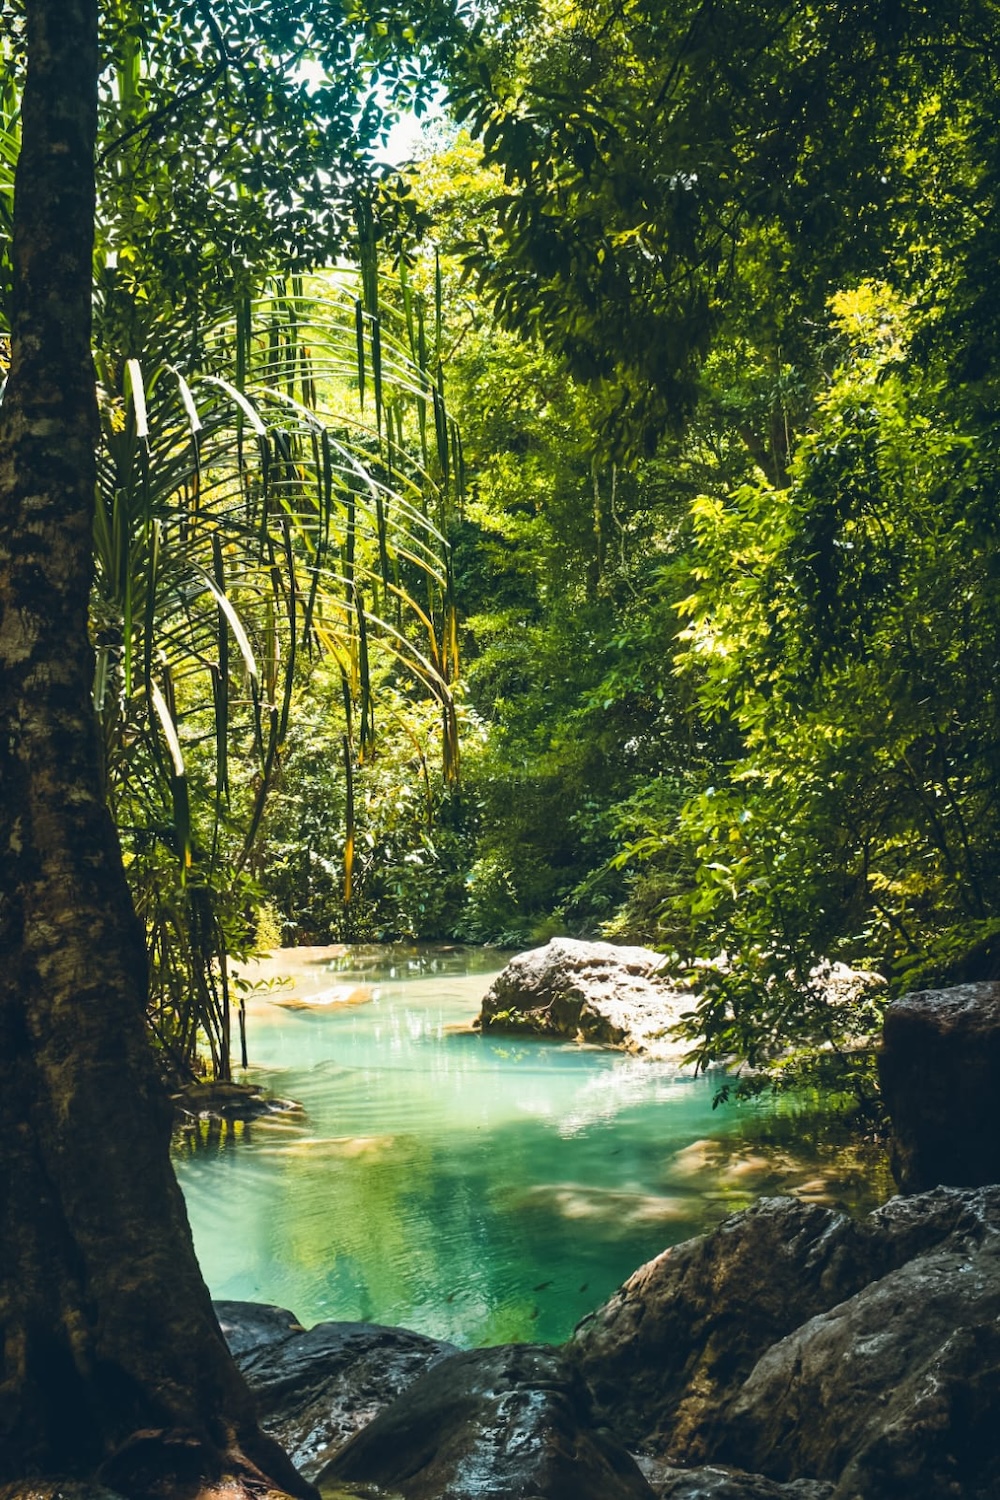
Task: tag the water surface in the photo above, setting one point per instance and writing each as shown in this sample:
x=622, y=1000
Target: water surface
x=480, y=1189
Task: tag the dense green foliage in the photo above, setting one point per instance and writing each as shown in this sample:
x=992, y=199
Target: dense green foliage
x=268, y=497
x=708, y=288
x=245, y=535
x=763, y=238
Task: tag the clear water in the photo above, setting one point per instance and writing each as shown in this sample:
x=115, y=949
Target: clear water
x=479, y=1189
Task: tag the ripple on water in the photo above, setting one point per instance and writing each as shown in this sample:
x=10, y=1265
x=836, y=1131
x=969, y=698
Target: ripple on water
x=476, y=1189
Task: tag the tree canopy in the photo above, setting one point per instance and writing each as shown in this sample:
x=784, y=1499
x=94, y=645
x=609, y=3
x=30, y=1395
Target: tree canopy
x=669, y=169
x=761, y=236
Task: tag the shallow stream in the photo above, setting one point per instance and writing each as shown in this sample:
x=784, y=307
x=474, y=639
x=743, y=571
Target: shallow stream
x=479, y=1189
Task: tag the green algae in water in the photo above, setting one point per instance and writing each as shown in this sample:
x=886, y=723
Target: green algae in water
x=342, y=1491
x=477, y=1189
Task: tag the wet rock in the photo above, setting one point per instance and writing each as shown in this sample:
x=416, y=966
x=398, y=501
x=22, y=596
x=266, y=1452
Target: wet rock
x=248, y=1326
x=509, y=1423
x=316, y=1389
x=940, y=1074
x=669, y=1353
x=590, y=992
x=674, y=1344
x=226, y=1102
x=894, y=1392
x=715, y=1483
x=56, y=1489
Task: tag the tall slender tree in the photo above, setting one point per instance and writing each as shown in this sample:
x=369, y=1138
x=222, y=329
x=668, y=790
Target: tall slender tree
x=111, y=1356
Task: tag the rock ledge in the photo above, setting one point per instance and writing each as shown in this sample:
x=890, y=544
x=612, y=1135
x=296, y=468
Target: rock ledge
x=590, y=992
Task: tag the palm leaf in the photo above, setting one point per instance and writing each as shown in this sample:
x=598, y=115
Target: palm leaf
x=214, y=557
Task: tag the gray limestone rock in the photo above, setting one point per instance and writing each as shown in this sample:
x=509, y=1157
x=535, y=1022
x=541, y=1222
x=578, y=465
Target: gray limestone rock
x=940, y=1073
x=668, y=1356
x=316, y=1389
x=509, y=1423
x=590, y=992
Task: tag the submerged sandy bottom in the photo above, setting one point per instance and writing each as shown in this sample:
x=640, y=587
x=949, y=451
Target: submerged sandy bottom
x=476, y=1189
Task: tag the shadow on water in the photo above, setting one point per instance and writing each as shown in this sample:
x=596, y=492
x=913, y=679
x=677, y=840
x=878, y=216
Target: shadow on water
x=476, y=1189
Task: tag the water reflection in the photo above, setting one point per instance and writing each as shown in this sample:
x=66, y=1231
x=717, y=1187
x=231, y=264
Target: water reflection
x=477, y=1189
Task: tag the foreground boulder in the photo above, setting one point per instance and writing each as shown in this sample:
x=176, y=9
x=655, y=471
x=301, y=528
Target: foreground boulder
x=791, y=1354
x=798, y=1344
x=316, y=1388
x=940, y=1074
x=510, y=1423
x=672, y=1348
x=248, y=1326
x=894, y=1392
x=590, y=992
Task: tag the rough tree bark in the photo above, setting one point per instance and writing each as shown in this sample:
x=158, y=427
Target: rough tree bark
x=112, y=1360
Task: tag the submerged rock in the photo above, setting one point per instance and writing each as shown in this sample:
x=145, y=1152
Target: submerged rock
x=509, y=1423
x=315, y=1389
x=338, y=996
x=715, y=1483
x=227, y=1102
x=799, y=1344
x=590, y=992
x=940, y=1074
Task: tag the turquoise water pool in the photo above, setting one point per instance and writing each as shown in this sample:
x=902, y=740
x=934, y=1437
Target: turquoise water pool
x=476, y=1189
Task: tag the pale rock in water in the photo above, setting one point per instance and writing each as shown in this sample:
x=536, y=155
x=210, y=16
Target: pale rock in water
x=591, y=992
x=621, y=997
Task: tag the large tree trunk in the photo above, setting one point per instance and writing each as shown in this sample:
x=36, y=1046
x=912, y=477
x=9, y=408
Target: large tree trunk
x=106, y=1327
